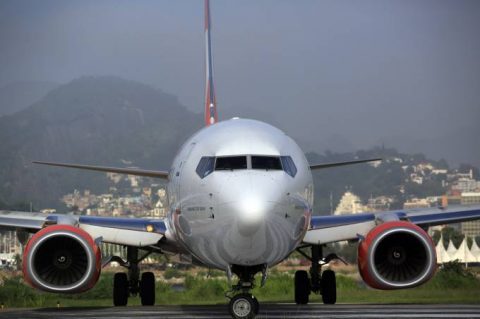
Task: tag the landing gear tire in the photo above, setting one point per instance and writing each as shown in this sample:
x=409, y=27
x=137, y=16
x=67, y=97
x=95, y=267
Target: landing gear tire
x=302, y=287
x=147, y=289
x=120, y=289
x=243, y=306
x=256, y=307
x=329, y=287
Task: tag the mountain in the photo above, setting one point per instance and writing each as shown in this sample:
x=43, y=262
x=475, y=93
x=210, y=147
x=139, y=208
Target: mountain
x=387, y=179
x=456, y=144
x=110, y=121
x=91, y=120
x=17, y=96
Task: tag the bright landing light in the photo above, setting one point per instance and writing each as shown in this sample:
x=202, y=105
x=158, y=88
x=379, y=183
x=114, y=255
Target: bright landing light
x=253, y=210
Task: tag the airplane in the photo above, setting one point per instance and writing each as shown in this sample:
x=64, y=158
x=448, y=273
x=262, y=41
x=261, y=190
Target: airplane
x=240, y=196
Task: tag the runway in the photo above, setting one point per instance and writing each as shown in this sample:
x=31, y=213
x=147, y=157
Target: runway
x=267, y=311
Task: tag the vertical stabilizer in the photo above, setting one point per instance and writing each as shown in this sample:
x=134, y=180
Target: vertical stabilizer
x=211, y=116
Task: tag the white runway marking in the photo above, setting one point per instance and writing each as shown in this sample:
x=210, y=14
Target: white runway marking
x=267, y=311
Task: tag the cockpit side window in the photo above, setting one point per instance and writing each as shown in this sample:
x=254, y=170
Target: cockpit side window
x=266, y=162
x=205, y=166
x=288, y=165
x=230, y=163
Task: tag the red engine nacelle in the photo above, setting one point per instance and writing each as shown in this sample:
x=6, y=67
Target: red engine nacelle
x=62, y=259
x=395, y=255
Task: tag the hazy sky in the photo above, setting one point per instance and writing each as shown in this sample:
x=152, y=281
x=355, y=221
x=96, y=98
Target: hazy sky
x=334, y=74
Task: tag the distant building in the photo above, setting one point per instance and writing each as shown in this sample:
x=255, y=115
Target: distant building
x=417, y=203
x=414, y=177
x=48, y=211
x=134, y=181
x=115, y=177
x=158, y=212
x=395, y=159
x=9, y=244
x=472, y=228
x=466, y=185
x=380, y=203
x=424, y=166
x=470, y=198
x=147, y=191
x=350, y=204
x=438, y=171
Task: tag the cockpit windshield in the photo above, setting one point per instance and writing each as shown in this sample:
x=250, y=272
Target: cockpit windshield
x=266, y=162
x=231, y=163
x=209, y=164
x=205, y=166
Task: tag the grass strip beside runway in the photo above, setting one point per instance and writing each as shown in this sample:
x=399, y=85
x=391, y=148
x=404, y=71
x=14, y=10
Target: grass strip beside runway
x=448, y=286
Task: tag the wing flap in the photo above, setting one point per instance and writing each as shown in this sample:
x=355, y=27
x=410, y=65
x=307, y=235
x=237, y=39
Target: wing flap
x=12, y=220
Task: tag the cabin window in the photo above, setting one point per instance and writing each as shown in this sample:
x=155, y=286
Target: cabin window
x=266, y=162
x=205, y=166
x=288, y=165
x=231, y=163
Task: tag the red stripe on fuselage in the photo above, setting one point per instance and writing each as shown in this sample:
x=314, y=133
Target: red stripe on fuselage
x=207, y=14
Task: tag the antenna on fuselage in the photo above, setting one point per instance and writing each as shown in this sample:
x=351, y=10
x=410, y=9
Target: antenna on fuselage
x=211, y=116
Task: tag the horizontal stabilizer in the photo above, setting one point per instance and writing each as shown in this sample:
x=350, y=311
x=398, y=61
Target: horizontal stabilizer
x=129, y=171
x=327, y=165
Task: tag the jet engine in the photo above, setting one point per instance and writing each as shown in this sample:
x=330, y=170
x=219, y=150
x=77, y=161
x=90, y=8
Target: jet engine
x=395, y=255
x=61, y=259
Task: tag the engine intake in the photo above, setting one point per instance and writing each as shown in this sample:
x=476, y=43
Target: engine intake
x=62, y=258
x=396, y=255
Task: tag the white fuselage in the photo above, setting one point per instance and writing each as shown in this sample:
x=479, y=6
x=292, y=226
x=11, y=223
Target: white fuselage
x=247, y=216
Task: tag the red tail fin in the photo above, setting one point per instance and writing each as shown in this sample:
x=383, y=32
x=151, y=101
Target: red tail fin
x=211, y=116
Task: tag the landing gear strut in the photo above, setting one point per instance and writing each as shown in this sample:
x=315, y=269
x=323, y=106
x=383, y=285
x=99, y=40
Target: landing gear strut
x=125, y=285
x=323, y=283
x=244, y=305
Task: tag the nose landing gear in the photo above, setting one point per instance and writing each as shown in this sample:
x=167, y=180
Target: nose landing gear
x=244, y=305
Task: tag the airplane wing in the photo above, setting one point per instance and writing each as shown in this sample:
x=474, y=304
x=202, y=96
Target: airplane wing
x=336, y=164
x=327, y=229
x=138, y=232
x=129, y=171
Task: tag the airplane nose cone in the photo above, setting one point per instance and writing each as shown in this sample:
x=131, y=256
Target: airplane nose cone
x=252, y=212
x=252, y=209
x=250, y=199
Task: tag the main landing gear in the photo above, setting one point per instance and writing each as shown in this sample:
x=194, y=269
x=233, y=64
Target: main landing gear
x=244, y=305
x=320, y=282
x=131, y=284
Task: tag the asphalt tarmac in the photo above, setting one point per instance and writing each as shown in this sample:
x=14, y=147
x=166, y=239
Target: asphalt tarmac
x=269, y=311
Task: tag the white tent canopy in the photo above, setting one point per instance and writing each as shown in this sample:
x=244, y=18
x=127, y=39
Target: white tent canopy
x=475, y=250
x=451, y=250
x=442, y=255
x=463, y=254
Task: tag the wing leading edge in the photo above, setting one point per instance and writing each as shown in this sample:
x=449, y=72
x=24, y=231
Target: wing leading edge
x=138, y=232
x=129, y=171
x=335, y=164
x=327, y=229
